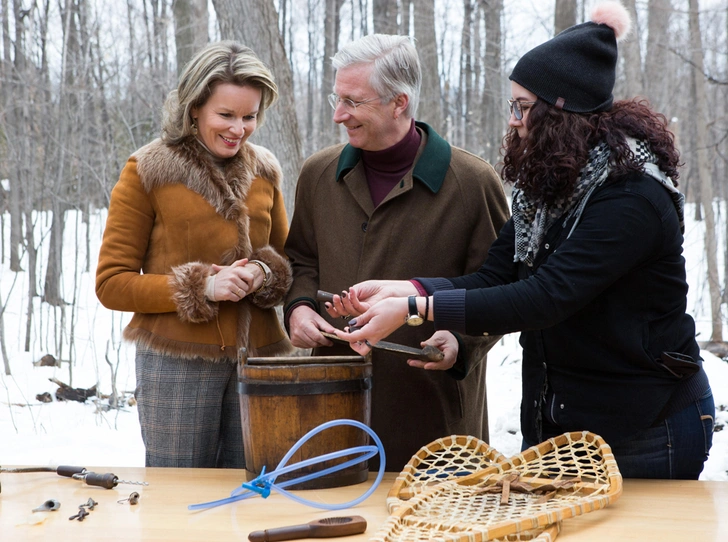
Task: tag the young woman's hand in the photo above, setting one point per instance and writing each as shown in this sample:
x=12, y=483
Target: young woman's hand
x=362, y=296
x=375, y=324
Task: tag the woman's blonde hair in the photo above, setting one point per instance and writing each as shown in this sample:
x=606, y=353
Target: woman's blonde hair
x=220, y=62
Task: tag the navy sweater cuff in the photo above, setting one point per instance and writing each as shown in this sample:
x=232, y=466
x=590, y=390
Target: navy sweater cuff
x=449, y=310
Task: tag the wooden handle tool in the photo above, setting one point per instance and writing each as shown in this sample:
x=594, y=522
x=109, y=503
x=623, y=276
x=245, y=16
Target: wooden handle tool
x=320, y=528
x=324, y=296
x=428, y=353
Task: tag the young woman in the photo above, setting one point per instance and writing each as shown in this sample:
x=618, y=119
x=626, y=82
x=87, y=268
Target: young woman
x=589, y=269
x=194, y=247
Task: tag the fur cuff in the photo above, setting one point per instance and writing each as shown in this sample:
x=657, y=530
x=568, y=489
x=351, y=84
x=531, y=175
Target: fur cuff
x=188, y=292
x=280, y=280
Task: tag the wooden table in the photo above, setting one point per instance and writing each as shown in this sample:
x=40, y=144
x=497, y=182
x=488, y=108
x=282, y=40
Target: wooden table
x=646, y=511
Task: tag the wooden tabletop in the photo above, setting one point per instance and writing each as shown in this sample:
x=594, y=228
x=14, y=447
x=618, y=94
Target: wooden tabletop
x=647, y=510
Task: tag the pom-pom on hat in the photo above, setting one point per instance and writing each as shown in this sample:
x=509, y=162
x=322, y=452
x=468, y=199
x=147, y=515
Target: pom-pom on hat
x=575, y=70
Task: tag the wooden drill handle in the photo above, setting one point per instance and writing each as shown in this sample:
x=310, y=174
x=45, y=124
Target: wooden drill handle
x=324, y=296
x=320, y=528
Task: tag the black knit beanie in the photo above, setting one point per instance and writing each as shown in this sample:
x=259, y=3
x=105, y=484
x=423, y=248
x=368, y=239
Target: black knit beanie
x=575, y=70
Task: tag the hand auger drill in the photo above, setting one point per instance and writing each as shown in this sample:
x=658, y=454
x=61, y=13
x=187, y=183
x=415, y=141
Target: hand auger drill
x=107, y=480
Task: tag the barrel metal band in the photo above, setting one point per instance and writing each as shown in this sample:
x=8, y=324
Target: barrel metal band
x=304, y=388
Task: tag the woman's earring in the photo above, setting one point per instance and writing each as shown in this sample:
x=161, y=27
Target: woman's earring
x=194, y=127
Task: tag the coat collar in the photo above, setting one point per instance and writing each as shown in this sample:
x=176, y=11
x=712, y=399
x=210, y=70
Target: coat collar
x=430, y=168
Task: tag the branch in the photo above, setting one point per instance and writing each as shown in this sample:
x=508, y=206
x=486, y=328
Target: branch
x=707, y=76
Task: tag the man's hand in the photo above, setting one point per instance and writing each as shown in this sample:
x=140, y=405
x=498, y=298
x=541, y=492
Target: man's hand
x=306, y=325
x=442, y=340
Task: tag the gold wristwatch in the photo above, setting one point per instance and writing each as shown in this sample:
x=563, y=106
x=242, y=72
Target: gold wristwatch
x=414, y=318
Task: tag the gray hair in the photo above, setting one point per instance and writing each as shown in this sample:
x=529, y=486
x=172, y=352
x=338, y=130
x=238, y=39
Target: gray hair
x=396, y=66
x=220, y=62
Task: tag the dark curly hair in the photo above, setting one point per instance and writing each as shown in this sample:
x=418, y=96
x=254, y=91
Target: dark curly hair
x=546, y=164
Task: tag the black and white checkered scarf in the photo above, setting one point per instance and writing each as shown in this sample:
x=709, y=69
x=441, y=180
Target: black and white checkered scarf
x=532, y=219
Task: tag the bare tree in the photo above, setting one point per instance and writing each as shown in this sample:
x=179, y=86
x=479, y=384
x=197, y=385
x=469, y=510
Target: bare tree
x=564, y=15
x=492, y=115
x=430, y=109
x=657, y=78
x=405, y=19
x=703, y=164
x=17, y=119
x=257, y=27
x=631, y=54
x=385, y=16
x=465, y=85
x=311, y=138
x=332, y=26
x=190, y=29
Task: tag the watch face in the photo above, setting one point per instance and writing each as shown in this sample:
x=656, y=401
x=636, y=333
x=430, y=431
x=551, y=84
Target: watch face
x=414, y=320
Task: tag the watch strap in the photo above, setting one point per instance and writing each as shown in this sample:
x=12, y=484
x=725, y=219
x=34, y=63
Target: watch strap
x=412, y=305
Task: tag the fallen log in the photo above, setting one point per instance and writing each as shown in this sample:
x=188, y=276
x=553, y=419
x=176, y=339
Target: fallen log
x=67, y=393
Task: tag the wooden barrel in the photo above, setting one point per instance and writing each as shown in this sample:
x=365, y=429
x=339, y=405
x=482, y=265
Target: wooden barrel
x=282, y=399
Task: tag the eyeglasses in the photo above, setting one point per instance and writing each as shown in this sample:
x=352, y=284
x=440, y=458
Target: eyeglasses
x=516, y=108
x=349, y=105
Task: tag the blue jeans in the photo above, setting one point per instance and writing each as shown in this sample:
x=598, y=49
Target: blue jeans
x=677, y=448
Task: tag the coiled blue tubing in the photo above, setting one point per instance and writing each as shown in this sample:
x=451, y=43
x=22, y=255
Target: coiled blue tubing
x=265, y=482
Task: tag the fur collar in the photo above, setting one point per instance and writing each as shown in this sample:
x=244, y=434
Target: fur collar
x=191, y=164
x=225, y=188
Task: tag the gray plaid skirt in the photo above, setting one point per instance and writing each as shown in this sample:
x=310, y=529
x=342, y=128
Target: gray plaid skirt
x=189, y=411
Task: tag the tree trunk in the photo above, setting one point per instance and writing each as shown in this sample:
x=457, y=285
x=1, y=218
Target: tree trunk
x=257, y=27
x=405, y=23
x=493, y=108
x=311, y=140
x=363, y=17
x=385, y=16
x=466, y=76
x=331, y=44
x=18, y=123
x=430, y=108
x=54, y=270
x=3, y=350
x=704, y=162
x=724, y=148
x=631, y=53
x=190, y=29
x=564, y=15
x=32, y=276
x=658, y=79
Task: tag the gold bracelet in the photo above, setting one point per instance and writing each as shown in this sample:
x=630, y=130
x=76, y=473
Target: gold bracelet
x=266, y=274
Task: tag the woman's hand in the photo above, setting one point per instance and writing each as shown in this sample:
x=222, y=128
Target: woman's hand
x=362, y=296
x=346, y=305
x=442, y=340
x=375, y=324
x=233, y=282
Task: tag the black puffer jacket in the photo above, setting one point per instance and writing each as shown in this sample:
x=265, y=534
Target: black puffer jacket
x=600, y=312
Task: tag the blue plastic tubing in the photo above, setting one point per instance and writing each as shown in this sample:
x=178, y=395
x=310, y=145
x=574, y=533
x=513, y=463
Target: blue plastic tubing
x=263, y=484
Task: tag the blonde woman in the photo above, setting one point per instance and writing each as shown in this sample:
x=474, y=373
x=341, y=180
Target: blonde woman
x=193, y=247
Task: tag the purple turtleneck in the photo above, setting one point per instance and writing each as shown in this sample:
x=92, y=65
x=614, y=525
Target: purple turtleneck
x=385, y=168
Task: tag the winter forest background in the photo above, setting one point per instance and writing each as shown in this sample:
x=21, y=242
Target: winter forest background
x=82, y=83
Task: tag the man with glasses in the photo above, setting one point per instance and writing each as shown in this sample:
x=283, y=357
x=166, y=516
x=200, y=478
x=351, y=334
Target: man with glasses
x=397, y=201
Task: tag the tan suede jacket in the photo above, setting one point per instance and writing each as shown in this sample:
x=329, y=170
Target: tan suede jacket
x=173, y=213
